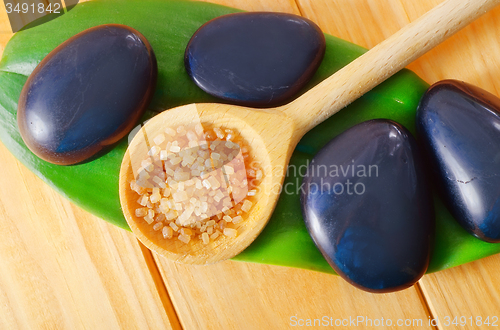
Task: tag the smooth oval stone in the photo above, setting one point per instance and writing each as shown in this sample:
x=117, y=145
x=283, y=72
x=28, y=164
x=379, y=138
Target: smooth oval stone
x=87, y=93
x=255, y=59
x=367, y=206
x=459, y=125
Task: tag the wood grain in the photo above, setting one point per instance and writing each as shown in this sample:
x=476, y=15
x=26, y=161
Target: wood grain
x=62, y=268
x=235, y=295
x=470, y=290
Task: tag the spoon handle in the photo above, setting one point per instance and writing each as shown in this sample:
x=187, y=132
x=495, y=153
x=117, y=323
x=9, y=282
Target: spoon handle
x=383, y=60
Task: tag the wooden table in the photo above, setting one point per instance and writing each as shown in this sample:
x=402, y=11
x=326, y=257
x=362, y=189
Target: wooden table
x=62, y=268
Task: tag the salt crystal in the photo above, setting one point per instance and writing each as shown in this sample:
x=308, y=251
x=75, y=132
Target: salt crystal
x=246, y=206
x=180, y=196
x=175, y=148
x=141, y=212
x=167, y=232
x=237, y=219
x=159, y=139
x=170, y=131
x=230, y=232
x=205, y=238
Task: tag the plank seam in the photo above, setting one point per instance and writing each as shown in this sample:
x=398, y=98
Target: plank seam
x=424, y=297
x=299, y=7
x=161, y=288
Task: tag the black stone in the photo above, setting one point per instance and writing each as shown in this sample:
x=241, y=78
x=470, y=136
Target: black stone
x=367, y=207
x=459, y=126
x=255, y=59
x=87, y=93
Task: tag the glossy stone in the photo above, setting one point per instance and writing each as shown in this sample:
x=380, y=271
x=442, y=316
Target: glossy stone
x=367, y=206
x=255, y=59
x=87, y=93
x=459, y=125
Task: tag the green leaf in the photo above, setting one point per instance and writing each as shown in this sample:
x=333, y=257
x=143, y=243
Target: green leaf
x=168, y=25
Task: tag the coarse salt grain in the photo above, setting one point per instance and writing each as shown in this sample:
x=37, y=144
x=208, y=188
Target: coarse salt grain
x=181, y=130
x=144, y=200
x=170, y=131
x=228, y=170
x=160, y=182
x=171, y=215
x=181, y=176
x=230, y=232
x=205, y=238
x=184, y=238
x=198, y=129
x=175, y=160
x=148, y=219
x=159, y=139
x=246, y=206
x=155, y=197
x=154, y=150
x=237, y=219
x=167, y=232
x=186, y=231
x=175, y=148
x=214, y=183
x=180, y=196
x=141, y=212
x=192, y=196
x=215, y=235
x=158, y=226
x=174, y=226
x=191, y=136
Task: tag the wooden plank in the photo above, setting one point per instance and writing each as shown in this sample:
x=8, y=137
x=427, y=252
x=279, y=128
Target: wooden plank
x=471, y=293
x=470, y=55
x=236, y=295
x=62, y=268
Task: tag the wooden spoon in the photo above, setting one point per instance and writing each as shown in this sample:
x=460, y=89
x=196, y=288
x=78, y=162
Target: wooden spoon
x=274, y=133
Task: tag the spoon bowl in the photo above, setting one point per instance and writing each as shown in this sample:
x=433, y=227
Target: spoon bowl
x=270, y=153
x=273, y=134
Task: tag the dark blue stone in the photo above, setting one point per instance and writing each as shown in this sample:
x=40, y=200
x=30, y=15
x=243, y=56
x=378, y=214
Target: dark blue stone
x=367, y=206
x=459, y=125
x=87, y=93
x=255, y=59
